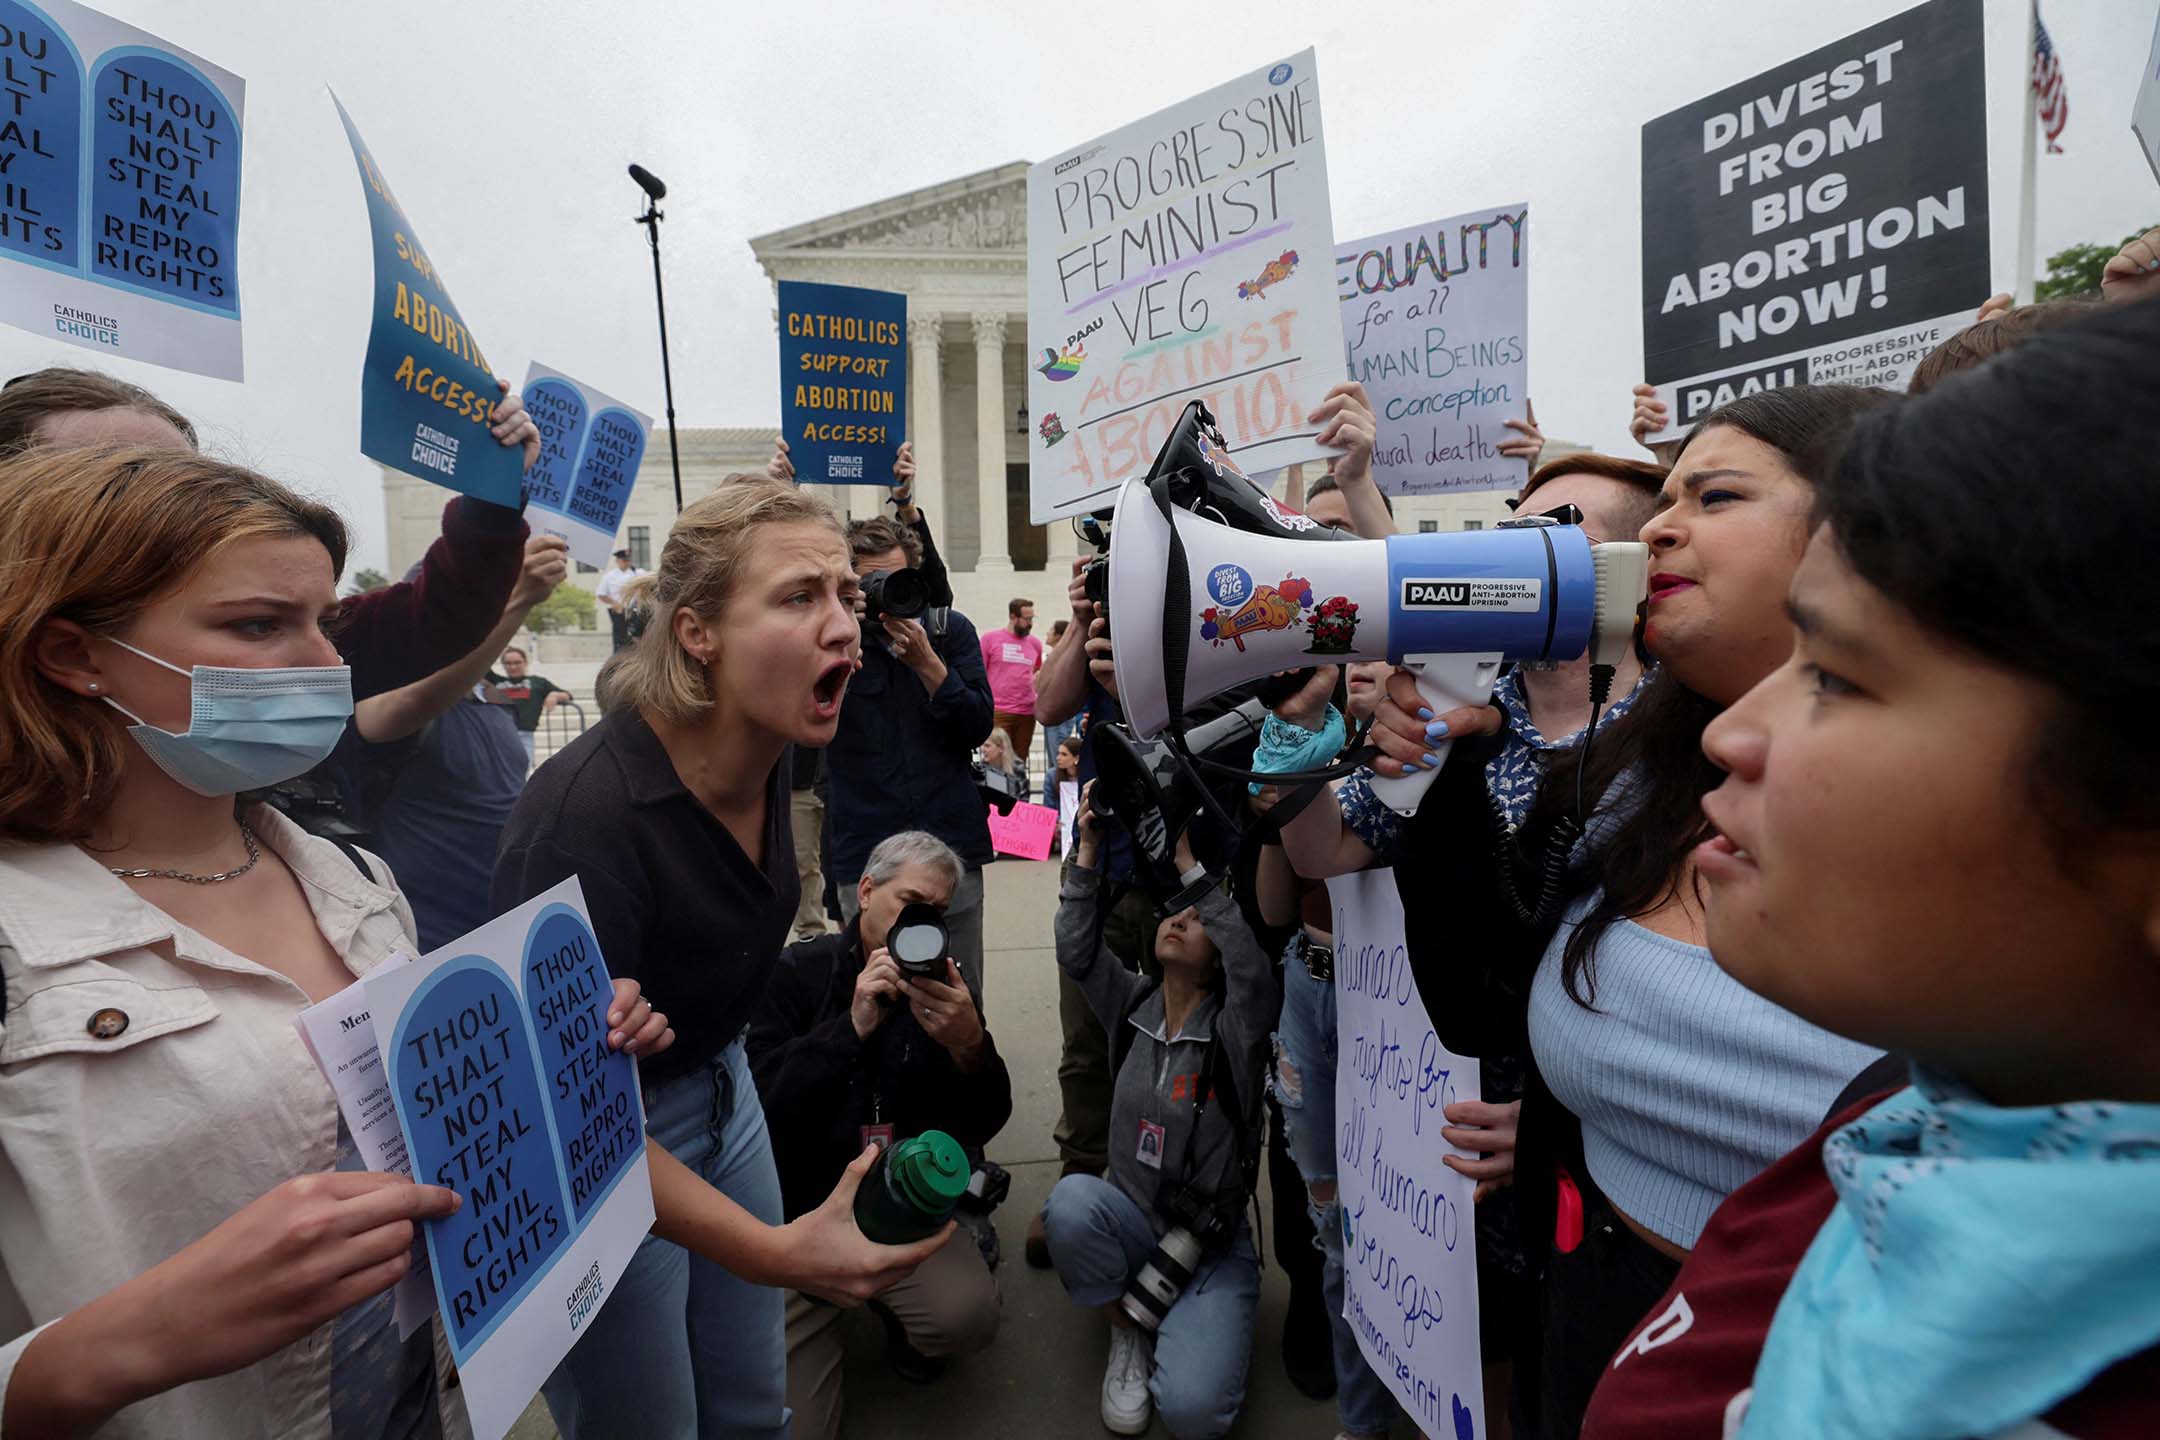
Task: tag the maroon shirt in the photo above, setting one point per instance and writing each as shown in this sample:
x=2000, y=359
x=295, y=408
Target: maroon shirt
x=408, y=631
x=1680, y=1372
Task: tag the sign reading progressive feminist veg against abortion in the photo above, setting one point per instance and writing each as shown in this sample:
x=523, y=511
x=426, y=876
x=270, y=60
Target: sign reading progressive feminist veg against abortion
x=496, y=1049
x=1825, y=222
x=1435, y=321
x=119, y=190
x=426, y=390
x=1409, y=1253
x=1183, y=257
x=590, y=448
x=843, y=381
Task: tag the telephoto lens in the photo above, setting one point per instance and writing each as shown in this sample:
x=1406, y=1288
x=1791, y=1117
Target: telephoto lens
x=894, y=594
x=917, y=941
x=1162, y=1277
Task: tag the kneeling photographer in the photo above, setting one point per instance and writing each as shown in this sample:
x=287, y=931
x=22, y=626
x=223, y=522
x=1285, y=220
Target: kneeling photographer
x=871, y=1036
x=1163, y=1240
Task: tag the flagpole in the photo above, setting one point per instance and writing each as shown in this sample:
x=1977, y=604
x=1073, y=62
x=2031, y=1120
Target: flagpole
x=2026, y=155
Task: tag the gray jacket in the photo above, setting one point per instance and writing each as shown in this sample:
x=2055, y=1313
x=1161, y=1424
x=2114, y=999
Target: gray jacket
x=1160, y=1078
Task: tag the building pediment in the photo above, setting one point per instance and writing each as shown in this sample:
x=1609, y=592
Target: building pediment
x=977, y=215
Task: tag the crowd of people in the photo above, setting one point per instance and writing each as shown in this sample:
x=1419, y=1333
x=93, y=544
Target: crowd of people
x=1813, y=971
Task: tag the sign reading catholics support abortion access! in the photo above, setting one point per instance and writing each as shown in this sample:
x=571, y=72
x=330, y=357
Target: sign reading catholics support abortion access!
x=119, y=190
x=1182, y=257
x=843, y=381
x=1409, y=1248
x=1436, y=320
x=1825, y=222
x=426, y=391
x=496, y=1049
x=590, y=449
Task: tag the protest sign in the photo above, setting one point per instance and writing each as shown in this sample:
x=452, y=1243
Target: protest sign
x=1068, y=813
x=2145, y=109
x=1182, y=257
x=426, y=390
x=843, y=381
x=1026, y=832
x=496, y=1047
x=1436, y=320
x=590, y=448
x=1825, y=222
x=1409, y=1252
x=119, y=190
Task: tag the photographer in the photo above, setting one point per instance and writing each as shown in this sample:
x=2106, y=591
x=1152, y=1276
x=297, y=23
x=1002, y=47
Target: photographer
x=848, y=1049
x=1184, y=1141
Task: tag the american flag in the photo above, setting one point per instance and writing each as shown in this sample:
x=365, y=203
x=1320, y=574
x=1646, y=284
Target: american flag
x=2047, y=85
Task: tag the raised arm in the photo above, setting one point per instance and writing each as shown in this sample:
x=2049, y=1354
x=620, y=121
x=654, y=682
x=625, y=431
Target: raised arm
x=1061, y=684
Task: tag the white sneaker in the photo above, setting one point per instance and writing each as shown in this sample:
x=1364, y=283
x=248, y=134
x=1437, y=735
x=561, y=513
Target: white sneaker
x=1126, y=1406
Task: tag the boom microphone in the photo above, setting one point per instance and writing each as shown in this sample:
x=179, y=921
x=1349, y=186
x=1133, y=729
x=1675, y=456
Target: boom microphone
x=650, y=183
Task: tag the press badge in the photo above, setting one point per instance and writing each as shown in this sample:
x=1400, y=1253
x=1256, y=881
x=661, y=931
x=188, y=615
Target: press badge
x=1150, y=1147
x=878, y=1135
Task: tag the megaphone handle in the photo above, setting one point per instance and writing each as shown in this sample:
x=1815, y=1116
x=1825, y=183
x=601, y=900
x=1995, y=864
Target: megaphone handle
x=1447, y=682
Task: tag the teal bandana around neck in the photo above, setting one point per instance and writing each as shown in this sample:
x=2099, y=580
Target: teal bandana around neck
x=1981, y=1266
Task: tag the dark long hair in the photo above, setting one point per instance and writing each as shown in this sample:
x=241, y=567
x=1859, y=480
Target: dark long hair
x=1650, y=761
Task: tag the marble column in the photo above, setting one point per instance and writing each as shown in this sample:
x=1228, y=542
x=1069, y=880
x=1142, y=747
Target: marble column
x=926, y=336
x=990, y=441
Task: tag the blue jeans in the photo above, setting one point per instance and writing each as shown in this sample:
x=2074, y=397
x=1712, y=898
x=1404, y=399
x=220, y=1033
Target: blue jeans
x=1053, y=736
x=1099, y=1236
x=1304, y=1085
x=682, y=1348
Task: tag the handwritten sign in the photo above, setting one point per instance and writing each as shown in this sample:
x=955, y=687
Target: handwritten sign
x=1435, y=323
x=590, y=448
x=426, y=390
x=1027, y=832
x=1182, y=257
x=1824, y=222
x=1409, y=1252
x=843, y=381
x=119, y=190
x=496, y=1048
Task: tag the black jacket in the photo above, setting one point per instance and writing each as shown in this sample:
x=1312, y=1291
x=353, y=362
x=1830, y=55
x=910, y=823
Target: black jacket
x=821, y=1083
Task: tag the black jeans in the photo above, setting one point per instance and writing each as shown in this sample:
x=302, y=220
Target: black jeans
x=1595, y=1296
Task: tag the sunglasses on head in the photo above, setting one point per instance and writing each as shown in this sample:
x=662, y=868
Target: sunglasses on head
x=1558, y=515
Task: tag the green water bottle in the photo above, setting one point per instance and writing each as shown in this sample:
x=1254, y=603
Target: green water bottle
x=912, y=1188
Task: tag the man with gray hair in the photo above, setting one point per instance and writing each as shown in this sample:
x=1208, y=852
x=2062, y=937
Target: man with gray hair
x=853, y=1047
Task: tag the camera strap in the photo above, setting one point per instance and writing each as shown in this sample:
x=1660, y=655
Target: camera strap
x=1214, y=1075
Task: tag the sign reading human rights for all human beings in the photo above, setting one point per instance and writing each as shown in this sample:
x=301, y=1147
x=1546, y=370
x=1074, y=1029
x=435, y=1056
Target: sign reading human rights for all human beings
x=119, y=190
x=1182, y=257
x=1435, y=321
x=843, y=381
x=1409, y=1252
x=1824, y=222
x=590, y=447
x=496, y=1050
x=426, y=389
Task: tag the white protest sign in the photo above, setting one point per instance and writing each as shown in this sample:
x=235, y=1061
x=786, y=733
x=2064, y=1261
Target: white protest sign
x=119, y=190
x=1409, y=1247
x=1183, y=257
x=1436, y=320
x=496, y=1047
x=2145, y=109
x=590, y=447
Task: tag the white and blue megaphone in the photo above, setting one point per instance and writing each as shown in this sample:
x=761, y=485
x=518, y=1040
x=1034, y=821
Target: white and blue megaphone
x=1212, y=584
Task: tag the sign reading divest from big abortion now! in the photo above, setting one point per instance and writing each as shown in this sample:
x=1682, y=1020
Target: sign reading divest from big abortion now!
x=426, y=391
x=497, y=1055
x=843, y=381
x=1409, y=1250
x=119, y=190
x=1825, y=222
x=1183, y=257
x=590, y=448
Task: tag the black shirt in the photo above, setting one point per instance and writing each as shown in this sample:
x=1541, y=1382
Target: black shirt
x=675, y=902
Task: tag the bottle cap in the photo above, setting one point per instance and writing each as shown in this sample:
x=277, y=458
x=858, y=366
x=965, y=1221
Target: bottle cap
x=931, y=1170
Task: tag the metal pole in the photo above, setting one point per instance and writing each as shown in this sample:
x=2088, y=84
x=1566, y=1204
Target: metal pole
x=651, y=221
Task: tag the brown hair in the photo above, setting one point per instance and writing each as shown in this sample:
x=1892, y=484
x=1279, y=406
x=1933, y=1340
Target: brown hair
x=881, y=533
x=706, y=551
x=94, y=536
x=1985, y=339
x=27, y=400
x=1640, y=475
x=1014, y=607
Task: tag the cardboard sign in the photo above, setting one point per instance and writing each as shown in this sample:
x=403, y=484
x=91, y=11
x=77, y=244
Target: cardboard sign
x=426, y=390
x=590, y=447
x=1409, y=1246
x=1027, y=832
x=1182, y=257
x=1825, y=222
x=496, y=1048
x=843, y=382
x=1436, y=323
x=119, y=190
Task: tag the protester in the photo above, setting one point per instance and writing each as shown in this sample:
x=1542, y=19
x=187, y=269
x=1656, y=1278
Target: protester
x=529, y=696
x=1951, y=775
x=1054, y=736
x=672, y=812
x=614, y=593
x=846, y=1047
x=1011, y=657
x=181, y=1203
x=997, y=755
x=1184, y=1147
x=936, y=580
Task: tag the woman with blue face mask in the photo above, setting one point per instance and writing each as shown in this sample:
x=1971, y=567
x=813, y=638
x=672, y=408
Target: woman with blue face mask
x=183, y=1221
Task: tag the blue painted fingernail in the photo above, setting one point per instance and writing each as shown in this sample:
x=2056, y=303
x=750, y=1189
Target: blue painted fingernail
x=1437, y=730
x=1409, y=765
x=1432, y=760
x=1423, y=713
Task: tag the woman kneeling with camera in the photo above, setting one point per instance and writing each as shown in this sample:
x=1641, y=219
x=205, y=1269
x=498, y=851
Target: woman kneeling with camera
x=1163, y=1241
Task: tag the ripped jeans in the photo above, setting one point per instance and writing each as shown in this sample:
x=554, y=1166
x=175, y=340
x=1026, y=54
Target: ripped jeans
x=1303, y=1081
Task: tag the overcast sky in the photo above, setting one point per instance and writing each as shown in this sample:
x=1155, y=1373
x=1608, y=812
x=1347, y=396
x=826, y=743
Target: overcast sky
x=505, y=129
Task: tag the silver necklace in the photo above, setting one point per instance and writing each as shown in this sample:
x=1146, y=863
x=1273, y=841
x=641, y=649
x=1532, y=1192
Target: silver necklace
x=247, y=837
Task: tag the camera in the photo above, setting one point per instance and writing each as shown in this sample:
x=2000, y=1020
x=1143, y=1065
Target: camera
x=1197, y=1225
x=918, y=940
x=894, y=594
x=996, y=788
x=1095, y=579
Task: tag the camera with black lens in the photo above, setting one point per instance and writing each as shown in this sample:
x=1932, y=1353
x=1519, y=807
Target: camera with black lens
x=894, y=594
x=996, y=788
x=1197, y=1226
x=1095, y=579
x=918, y=940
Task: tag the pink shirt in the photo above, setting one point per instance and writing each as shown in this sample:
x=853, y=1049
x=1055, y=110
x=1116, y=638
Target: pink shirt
x=1012, y=661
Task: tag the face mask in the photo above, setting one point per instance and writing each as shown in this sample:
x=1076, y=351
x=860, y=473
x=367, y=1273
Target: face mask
x=249, y=728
